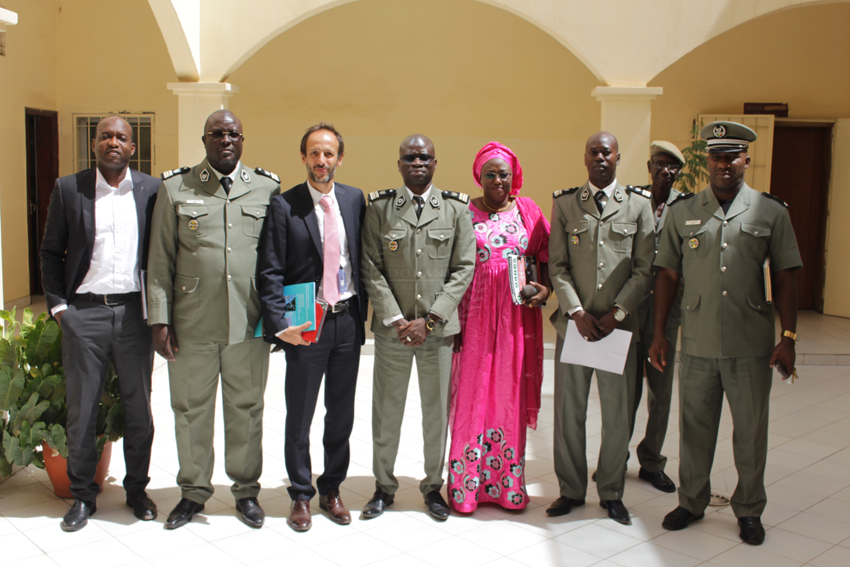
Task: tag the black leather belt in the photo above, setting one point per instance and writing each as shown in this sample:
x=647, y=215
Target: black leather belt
x=339, y=306
x=111, y=300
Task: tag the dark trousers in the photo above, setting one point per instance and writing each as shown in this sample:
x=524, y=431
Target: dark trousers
x=336, y=357
x=94, y=334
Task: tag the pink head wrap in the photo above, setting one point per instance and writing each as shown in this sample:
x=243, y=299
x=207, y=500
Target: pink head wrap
x=494, y=150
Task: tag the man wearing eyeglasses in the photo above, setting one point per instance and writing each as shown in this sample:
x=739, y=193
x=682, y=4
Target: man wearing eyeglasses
x=665, y=164
x=203, y=306
x=418, y=260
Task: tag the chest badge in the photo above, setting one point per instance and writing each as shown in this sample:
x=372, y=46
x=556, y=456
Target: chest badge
x=193, y=224
x=693, y=243
x=393, y=245
x=574, y=239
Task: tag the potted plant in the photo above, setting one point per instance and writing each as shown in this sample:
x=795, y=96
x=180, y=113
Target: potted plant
x=32, y=393
x=695, y=169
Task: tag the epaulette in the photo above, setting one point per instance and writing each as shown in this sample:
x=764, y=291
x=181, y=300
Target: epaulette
x=775, y=198
x=681, y=197
x=639, y=191
x=269, y=174
x=381, y=194
x=173, y=172
x=560, y=192
x=462, y=197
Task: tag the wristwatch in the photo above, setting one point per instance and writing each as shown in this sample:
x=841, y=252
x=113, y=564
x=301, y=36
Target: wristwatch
x=793, y=336
x=430, y=323
x=619, y=314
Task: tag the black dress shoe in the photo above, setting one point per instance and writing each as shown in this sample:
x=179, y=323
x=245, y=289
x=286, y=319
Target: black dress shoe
x=617, y=511
x=143, y=507
x=679, y=519
x=437, y=507
x=752, y=531
x=77, y=515
x=563, y=506
x=376, y=506
x=182, y=513
x=252, y=513
x=658, y=479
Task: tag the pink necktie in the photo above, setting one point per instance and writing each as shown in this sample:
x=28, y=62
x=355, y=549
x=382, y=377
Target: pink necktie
x=330, y=283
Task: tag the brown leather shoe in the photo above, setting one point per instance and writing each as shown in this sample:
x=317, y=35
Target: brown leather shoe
x=332, y=504
x=300, y=519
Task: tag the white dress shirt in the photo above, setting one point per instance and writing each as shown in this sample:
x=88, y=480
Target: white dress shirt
x=344, y=257
x=114, y=266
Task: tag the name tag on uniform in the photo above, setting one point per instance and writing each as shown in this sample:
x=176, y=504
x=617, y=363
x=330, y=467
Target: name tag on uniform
x=195, y=201
x=697, y=221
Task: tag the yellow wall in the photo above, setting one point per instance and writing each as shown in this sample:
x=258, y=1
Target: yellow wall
x=836, y=299
x=27, y=79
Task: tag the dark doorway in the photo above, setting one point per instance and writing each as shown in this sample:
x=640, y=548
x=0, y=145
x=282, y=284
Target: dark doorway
x=802, y=159
x=42, y=171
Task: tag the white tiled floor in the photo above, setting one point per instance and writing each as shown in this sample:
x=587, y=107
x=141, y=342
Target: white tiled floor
x=807, y=518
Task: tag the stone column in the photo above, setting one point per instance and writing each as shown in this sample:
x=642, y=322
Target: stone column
x=196, y=101
x=627, y=113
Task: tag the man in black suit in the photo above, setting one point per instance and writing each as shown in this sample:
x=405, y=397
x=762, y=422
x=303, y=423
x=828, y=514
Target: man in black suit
x=296, y=248
x=92, y=258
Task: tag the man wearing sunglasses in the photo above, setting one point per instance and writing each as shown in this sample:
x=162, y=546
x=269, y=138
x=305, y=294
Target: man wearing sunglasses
x=418, y=260
x=204, y=306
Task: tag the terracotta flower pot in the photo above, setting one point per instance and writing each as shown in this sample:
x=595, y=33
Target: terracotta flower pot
x=57, y=469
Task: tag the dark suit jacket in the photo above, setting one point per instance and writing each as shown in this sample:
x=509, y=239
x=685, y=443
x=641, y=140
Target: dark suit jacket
x=291, y=250
x=69, y=232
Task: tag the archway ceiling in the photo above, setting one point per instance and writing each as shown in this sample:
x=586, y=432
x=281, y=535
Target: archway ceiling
x=208, y=40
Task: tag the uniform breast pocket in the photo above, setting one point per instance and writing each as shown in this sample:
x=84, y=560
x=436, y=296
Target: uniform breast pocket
x=578, y=236
x=754, y=240
x=622, y=234
x=694, y=241
x=194, y=220
x=440, y=242
x=393, y=241
x=253, y=217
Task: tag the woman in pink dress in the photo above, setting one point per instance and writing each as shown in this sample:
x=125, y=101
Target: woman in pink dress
x=497, y=367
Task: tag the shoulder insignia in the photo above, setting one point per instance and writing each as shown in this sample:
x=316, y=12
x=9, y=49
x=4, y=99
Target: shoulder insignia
x=775, y=198
x=462, y=197
x=269, y=174
x=557, y=194
x=374, y=196
x=639, y=191
x=682, y=197
x=173, y=172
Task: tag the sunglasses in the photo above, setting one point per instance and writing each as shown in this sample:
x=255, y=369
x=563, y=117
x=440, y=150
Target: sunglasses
x=410, y=158
x=218, y=135
x=504, y=176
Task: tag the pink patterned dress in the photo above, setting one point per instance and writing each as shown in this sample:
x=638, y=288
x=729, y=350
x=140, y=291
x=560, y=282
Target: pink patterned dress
x=497, y=374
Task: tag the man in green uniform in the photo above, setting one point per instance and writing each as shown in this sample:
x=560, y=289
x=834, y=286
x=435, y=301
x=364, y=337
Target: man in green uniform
x=418, y=260
x=202, y=292
x=664, y=165
x=722, y=242
x=600, y=253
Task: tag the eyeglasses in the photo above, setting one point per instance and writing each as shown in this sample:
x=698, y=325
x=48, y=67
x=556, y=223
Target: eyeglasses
x=424, y=158
x=671, y=167
x=504, y=176
x=218, y=135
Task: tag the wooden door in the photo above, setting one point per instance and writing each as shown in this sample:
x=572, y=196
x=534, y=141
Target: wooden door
x=802, y=158
x=42, y=170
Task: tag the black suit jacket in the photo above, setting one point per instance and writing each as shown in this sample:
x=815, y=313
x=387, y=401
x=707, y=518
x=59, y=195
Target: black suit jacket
x=290, y=250
x=69, y=232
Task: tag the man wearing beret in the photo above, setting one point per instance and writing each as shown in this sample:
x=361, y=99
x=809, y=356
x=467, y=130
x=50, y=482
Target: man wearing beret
x=664, y=165
x=722, y=241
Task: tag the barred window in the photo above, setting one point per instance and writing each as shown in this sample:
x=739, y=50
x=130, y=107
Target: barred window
x=142, y=124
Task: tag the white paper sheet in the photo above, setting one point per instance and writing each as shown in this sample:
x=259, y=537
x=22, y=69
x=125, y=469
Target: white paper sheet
x=608, y=354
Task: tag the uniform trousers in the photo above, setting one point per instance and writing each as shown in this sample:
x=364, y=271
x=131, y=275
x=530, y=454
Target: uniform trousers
x=93, y=334
x=659, y=395
x=335, y=357
x=702, y=383
x=616, y=397
x=393, y=363
x=194, y=376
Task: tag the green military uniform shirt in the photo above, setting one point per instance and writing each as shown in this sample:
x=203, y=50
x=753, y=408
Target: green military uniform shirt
x=721, y=258
x=413, y=266
x=203, y=253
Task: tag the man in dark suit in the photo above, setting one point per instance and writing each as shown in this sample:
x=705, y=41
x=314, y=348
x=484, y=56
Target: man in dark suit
x=92, y=259
x=312, y=234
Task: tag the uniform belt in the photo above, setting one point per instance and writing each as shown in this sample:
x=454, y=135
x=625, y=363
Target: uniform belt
x=113, y=299
x=339, y=306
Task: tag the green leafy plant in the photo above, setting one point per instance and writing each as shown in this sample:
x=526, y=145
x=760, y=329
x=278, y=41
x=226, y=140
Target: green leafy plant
x=695, y=169
x=32, y=391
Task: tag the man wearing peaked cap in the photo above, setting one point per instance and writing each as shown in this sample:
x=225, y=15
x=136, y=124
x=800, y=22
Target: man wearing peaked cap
x=664, y=165
x=718, y=241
